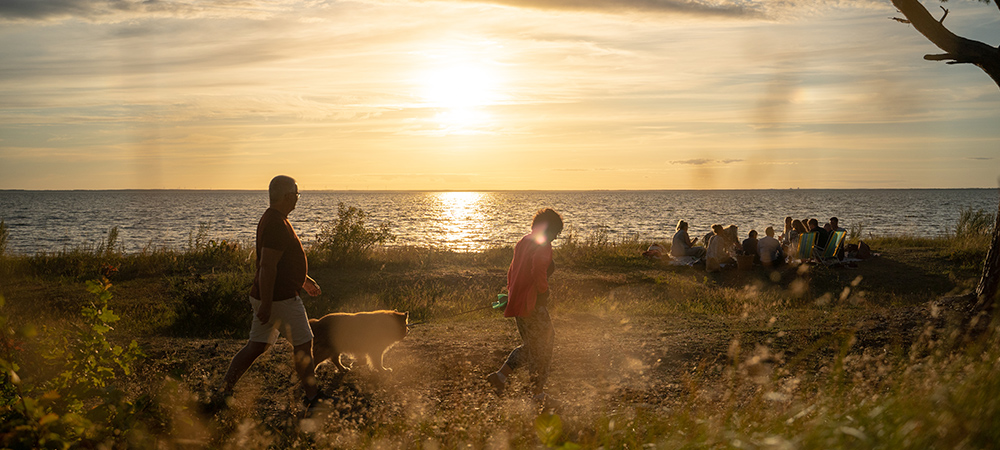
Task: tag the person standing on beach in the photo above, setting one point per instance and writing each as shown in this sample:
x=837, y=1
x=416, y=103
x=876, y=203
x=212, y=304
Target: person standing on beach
x=528, y=304
x=282, y=272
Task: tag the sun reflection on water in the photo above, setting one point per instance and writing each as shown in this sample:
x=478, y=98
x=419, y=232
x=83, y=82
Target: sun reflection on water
x=460, y=219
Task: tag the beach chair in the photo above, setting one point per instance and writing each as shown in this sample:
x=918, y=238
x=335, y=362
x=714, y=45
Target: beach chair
x=804, y=251
x=830, y=255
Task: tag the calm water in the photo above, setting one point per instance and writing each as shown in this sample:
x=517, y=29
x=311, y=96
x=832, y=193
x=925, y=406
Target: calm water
x=45, y=221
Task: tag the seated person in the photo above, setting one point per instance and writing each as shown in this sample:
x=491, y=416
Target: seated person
x=835, y=224
x=717, y=252
x=786, y=234
x=655, y=251
x=769, y=249
x=798, y=229
x=750, y=245
x=682, y=245
x=822, y=236
x=733, y=238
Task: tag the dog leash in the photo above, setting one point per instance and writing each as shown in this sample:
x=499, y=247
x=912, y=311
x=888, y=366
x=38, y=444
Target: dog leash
x=501, y=302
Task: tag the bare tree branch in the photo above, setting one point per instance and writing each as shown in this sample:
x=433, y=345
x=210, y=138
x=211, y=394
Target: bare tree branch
x=958, y=50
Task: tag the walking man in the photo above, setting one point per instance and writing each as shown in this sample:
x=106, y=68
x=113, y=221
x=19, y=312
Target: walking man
x=282, y=272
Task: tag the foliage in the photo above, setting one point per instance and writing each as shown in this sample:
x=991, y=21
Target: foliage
x=974, y=223
x=4, y=237
x=599, y=248
x=79, y=405
x=211, y=304
x=348, y=238
x=855, y=233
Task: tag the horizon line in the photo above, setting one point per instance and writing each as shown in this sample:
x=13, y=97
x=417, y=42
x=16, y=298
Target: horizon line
x=496, y=190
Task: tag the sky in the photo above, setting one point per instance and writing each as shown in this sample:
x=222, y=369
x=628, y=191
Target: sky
x=490, y=95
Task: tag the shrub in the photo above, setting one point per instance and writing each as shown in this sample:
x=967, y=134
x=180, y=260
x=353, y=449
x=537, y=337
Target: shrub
x=77, y=406
x=212, y=304
x=348, y=238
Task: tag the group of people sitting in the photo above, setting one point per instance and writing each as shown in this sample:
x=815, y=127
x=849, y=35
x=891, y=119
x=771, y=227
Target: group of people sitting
x=722, y=245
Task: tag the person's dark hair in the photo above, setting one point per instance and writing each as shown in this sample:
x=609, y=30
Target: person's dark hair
x=681, y=225
x=797, y=225
x=813, y=223
x=834, y=220
x=718, y=229
x=769, y=231
x=752, y=233
x=551, y=219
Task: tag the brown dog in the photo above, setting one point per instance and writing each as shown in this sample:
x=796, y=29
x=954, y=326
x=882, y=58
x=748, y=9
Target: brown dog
x=363, y=334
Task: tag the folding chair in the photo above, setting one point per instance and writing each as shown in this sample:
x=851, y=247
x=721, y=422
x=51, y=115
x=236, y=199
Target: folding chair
x=830, y=255
x=804, y=251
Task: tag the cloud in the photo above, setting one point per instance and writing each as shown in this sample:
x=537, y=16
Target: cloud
x=704, y=161
x=724, y=8
x=693, y=162
x=118, y=10
x=980, y=158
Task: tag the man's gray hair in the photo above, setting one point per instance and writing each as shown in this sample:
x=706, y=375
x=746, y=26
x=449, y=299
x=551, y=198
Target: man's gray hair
x=280, y=185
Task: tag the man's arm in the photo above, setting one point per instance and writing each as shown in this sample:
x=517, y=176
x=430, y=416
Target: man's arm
x=269, y=258
x=311, y=287
x=539, y=269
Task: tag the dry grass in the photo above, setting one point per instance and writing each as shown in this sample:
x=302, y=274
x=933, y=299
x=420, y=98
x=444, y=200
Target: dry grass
x=648, y=355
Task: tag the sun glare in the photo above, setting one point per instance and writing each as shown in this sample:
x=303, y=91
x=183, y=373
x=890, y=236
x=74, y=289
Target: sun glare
x=461, y=92
x=460, y=86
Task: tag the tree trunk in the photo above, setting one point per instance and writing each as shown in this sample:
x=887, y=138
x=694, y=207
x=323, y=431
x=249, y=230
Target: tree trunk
x=986, y=292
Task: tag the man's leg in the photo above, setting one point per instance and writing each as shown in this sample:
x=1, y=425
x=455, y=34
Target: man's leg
x=242, y=361
x=539, y=338
x=306, y=368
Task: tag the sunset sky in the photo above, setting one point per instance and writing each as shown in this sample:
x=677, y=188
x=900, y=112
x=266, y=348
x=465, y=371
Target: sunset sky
x=487, y=95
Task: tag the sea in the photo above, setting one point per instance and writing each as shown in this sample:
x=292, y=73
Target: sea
x=54, y=221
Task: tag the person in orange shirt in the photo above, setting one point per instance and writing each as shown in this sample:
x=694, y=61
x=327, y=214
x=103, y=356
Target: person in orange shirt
x=528, y=303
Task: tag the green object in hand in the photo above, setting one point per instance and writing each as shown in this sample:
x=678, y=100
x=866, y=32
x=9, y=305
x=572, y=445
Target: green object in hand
x=501, y=301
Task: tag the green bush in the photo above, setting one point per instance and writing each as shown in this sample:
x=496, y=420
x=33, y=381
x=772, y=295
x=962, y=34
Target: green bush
x=212, y=305
x=71, y=401
x=348, y=238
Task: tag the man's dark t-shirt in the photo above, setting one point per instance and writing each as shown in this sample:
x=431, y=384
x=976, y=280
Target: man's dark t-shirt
x=275, y=232
x=822, y=236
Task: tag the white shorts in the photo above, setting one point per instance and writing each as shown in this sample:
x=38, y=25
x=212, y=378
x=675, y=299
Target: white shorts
x=288, y=318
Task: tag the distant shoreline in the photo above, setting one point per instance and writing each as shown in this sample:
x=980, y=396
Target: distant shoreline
x=381, y=191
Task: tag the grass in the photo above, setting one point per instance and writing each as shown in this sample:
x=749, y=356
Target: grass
x=798, y=358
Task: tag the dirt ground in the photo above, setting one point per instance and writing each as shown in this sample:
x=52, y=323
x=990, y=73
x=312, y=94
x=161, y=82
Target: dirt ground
x=600, y=365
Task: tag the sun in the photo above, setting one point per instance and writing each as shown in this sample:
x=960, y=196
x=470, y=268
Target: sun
x=462, y=94
x=460, y=86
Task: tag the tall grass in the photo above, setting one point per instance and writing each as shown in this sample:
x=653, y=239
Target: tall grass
x=4, y=237
x=600, y=249
x=974, y=223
